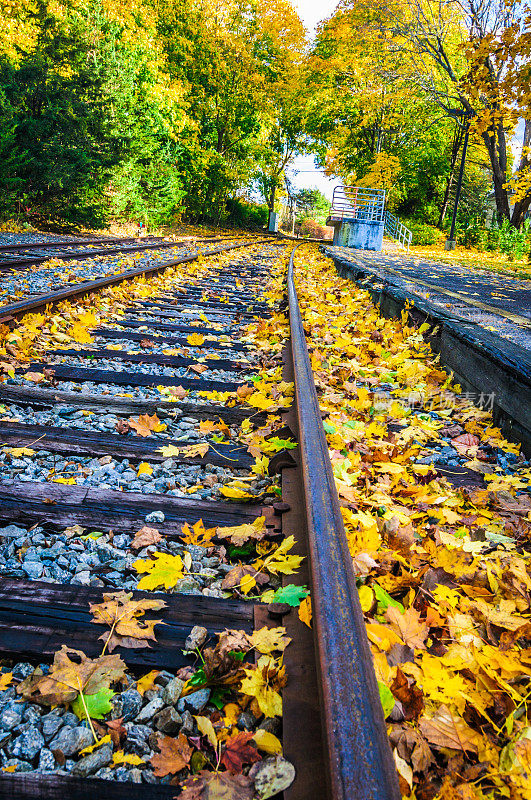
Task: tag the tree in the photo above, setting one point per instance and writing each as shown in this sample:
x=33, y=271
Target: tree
x=366, y=113
x=472, y=59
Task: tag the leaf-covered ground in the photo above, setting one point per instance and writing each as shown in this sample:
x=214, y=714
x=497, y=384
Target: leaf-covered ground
x=444, y=573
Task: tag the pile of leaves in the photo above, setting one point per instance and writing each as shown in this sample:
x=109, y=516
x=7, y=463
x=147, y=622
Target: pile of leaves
x=216, y=756
x=444, y=573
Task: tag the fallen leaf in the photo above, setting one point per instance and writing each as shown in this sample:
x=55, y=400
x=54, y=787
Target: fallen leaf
x=305, y=611
x=217, y=786
x=237, y=752
x=446, y=730
x=266, y=640
x=147, y=681
x=163, y=570
x=144, y=469
x=207, y=729
x=198, y=535
x=263, y=682
x=267, y=742
x=94, y=705
x=126, y=758
x=124, y=616
x=144, y=537
x=240, y=534
x=145, y=425
x=408, y=626
x=195, y=339
x=5, y=680
x=67, y=677
x=174, y=755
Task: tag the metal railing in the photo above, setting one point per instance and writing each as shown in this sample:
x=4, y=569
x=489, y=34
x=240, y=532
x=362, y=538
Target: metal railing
x=360, y=763
x=357, y=203
x=397, y=230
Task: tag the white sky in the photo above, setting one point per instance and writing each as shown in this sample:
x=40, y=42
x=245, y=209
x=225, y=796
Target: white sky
x=303, y=172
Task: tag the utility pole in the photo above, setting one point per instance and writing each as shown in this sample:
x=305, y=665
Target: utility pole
x=450, y=242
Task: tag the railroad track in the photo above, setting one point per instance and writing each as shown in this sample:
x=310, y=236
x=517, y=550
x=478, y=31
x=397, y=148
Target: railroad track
x=71, y=458
x=22, y=256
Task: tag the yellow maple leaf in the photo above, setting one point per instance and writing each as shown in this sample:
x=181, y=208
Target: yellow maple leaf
x=263, y=682
x=126, y=758
x=281, y=562
x=144, y=469
x=198, y=535
x=305, y=611
x=266, y=640
x=195, y=339
x=147, y=681
x=236, y=494
x=240, y=534
x=5, y=680
x=163, y=570
x=18, y=452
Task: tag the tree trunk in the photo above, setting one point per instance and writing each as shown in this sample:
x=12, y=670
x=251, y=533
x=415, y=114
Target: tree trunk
x=521, y=207
x=456, y=146
x=495, y=144
x=272, y=195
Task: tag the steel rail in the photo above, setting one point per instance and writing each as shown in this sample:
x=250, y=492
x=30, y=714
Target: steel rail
x=42, y=244
x=12, y=311
x=360, y=763
x=11, y=263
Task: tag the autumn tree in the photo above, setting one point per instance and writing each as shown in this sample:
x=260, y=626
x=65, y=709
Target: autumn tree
x=367, y=115
x=472, y=59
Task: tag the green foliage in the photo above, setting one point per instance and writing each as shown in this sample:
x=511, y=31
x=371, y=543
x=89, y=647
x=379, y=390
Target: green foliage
x=243, y=214
x=423, y=234
x=515, y=243
x=146, y=111
x=311, y=204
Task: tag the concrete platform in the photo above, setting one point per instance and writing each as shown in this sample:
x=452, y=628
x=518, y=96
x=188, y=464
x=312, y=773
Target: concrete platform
x=481, y=325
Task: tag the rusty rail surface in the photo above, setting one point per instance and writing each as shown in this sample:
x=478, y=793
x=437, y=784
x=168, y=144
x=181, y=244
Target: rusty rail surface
x=360, y=763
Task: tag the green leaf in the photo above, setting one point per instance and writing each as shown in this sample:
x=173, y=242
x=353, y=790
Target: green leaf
x=218, y=697
x=198, y=678
x=385, y=600
x=386, y=698
x=274, y=443
x=97, y=704
x=291, y=594
x=329, y=428
x=236, y=552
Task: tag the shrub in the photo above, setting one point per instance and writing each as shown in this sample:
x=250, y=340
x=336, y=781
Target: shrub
x=311, y=228
x=423, y=234
x=514, y=243
x=244, y=214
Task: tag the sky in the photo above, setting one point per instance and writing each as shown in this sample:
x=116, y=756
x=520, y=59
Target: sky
x=303, y=172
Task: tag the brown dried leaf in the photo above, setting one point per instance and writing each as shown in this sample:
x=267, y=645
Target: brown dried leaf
x=410, y=696
x=238, y=751
x=122, y=426
x=445, y=730
x=175, y=754
x=235, y=576
x=122, y=615
x=144, y=537
x=408, y=625
x=68, y=677
x=217, y=786
x=145, y=425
